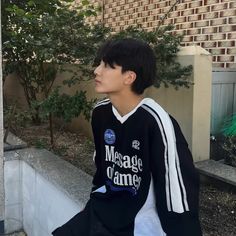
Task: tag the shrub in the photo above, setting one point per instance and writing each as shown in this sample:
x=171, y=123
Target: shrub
x=229, y=144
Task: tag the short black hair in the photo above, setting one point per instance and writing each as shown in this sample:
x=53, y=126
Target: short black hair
x=132, y=55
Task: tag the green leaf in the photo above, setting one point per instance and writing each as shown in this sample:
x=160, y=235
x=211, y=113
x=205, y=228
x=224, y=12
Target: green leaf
x=20, y=12
x=31, y=3
x=85, y=2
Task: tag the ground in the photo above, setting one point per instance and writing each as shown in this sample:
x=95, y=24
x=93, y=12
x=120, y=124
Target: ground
x=20, y=233
x=217, y=202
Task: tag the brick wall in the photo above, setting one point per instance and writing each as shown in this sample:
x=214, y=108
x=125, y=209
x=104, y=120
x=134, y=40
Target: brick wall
x=210, y=24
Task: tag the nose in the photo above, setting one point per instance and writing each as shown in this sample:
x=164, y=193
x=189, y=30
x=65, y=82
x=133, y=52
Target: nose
x=97, y=70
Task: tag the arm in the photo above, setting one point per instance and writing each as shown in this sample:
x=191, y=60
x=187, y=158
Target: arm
x=176, y=181
x=98, y=177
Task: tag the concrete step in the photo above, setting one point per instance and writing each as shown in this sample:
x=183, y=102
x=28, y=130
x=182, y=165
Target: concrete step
x=217, y=170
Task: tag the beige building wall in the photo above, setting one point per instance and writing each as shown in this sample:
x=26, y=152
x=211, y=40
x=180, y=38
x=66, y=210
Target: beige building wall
x=210, y=24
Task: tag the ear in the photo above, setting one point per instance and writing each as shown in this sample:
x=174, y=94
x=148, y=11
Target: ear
x=130, y=77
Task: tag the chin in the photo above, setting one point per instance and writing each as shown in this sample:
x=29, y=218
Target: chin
x=100, y=91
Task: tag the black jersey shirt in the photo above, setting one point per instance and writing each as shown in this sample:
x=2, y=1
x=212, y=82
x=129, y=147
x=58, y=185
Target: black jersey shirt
x=146, y=144
x=145, y=183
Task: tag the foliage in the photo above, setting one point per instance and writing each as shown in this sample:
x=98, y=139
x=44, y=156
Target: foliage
x=229, y=144
x=165, y=45
x=66, y=106
x=229, y=128
x=14, y=119
x=39, y=37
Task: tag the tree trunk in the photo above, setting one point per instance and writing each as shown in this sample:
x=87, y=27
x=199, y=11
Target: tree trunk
x=51, y=130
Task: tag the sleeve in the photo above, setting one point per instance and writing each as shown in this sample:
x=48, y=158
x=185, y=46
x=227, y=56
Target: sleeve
x=176, y=181
x=98, y=177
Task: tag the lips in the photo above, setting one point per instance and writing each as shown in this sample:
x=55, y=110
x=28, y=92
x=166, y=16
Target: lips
x=97, y=81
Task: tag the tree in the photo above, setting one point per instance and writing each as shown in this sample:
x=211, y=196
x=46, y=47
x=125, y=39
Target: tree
x=40, y=37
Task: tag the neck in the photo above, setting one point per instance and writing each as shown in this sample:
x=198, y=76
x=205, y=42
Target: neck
x=125, y=103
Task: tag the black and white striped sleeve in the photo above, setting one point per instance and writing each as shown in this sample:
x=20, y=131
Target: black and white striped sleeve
x=176, y=182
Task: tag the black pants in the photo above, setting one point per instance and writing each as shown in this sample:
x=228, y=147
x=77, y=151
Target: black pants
x=85, y=223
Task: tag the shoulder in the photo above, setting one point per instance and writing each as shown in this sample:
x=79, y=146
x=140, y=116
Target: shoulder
x=167, y=124
x=161, y=120
x=101, y=107
x=154, y=110
x=102, y=104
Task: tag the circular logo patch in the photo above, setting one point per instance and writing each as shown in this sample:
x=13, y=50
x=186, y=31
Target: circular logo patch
x=109, y=136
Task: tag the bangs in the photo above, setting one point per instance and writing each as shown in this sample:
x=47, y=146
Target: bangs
x=111, y=53
x=103, y=53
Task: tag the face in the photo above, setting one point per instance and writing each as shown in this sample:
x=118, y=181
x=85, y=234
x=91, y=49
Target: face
x=109, y=80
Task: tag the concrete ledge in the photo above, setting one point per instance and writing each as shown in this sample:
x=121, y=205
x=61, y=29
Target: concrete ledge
x=75, y=183
x=42, y=191
x=217, y=170
x=13, y=143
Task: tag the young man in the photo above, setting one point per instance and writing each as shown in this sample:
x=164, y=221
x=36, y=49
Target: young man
x=145, y=183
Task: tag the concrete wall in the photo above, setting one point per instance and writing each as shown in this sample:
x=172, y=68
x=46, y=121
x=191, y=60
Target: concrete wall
x=13, y=198
x=42, y=191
